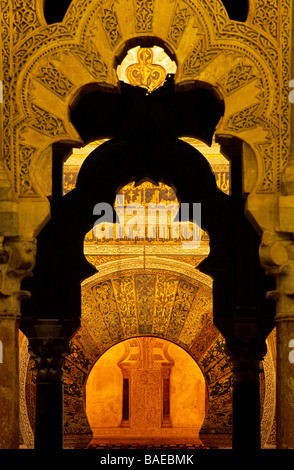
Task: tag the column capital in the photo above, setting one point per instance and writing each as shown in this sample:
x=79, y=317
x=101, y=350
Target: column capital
x=49, y=344
x=276, y=251
x=246, y=356
x=49, y=355
x=17, y=260
x=277, y=257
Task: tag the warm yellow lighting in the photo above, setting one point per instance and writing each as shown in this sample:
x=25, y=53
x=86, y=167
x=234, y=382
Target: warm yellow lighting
x=146, y=361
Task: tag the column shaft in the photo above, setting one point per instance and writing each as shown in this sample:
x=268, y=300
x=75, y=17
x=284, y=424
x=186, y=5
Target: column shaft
x=49, y=416
x=246, y=357
x=285, y=384
x=49, y=355
x=9, y=390
x=246, y=415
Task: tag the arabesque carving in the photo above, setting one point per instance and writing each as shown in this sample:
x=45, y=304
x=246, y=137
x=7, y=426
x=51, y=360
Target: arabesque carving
x=202, y=55
x=144, y=11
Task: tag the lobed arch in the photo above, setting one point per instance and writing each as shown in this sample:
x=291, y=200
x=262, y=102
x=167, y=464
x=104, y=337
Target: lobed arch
x=238, y=60
x=111, y=165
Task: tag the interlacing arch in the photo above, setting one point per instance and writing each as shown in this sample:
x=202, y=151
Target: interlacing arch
x=54, y=62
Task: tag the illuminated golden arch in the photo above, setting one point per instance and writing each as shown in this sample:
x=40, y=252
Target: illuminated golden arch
x=100, y=331
x=145, y=396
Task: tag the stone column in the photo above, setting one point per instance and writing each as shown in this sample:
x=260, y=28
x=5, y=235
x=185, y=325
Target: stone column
x=285, y=362
x=277, y=256
x=285, y=384
x=49, y=346
x=9, y=416
x=49, y=356
x=17, y=259
x=246, y=357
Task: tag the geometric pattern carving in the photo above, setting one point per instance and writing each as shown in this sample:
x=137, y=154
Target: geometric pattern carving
x=178, y=24
x=25, y=17
x=197, y=60
x=25, y=156
x=46, y=122
x=144, y=11
x=268, y=151
x=91, y=58
x=265, y=16
x=51, y=77
x=244, y=119
x=237, y=77
x=110, y=25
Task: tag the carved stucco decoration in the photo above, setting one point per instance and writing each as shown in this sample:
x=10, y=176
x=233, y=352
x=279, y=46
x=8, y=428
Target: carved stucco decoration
x=52, y=63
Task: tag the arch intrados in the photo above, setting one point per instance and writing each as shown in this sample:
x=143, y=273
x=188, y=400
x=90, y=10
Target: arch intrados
x=111, y=165
x=159, y=337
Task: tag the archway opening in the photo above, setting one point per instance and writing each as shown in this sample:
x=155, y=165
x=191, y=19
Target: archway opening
x=157, y=232
x=146, y=67
x=145, y=391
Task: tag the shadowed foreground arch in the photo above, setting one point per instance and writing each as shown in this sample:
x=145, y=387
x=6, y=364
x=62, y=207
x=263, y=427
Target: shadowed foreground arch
x=109, y=167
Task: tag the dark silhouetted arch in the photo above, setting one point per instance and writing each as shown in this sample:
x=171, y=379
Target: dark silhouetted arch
x=134, y=114
x=61, y=264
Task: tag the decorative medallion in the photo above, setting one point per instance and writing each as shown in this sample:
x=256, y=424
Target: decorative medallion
x=144, y=73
